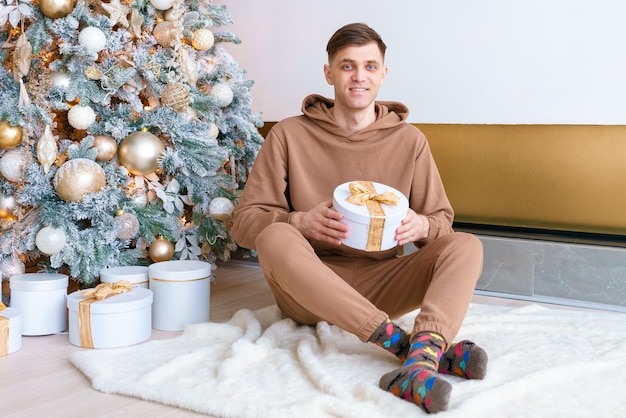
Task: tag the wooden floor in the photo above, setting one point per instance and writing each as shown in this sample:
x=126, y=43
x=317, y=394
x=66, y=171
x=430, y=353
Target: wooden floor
x=39, y=381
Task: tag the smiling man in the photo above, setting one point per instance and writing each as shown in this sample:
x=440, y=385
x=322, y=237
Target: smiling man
x=286, y=214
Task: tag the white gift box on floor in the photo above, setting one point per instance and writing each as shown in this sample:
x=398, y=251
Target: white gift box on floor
x=10, y=331
x=181, y=293
x=373, y=224
x=136, y=275
x=40, y=298
x=117, y=321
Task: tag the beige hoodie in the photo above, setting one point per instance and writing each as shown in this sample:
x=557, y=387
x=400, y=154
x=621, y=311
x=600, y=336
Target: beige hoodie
x=305, y=157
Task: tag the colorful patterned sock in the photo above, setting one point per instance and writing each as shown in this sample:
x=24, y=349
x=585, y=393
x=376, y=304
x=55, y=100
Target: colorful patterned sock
x=417, y=380
x=464, y=359
x=392, y=338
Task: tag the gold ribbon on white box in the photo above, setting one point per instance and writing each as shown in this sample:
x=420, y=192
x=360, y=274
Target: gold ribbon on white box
x=100, y=292
x=364, y=193
x=4, y=332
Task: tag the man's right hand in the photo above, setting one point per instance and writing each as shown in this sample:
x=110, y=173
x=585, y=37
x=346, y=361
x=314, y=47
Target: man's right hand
x=321, y=223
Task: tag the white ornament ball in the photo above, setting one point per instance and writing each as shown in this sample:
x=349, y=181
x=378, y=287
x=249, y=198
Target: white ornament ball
x=60, y=79
x=10, y=267
x=50, y=240
x=203, y=39
x=222, y=93
x=77, y=178
x=214, y=131
x=93, y=39
x=81, y=117
x=221, y=208
x=12, y=165
x=162, y=4
x=7, y=205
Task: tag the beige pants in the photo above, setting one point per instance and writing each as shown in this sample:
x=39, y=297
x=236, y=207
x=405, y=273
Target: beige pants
x=357, y=294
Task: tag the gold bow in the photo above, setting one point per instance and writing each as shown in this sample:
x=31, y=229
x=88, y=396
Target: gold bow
x=100, y=292
x=360, y=193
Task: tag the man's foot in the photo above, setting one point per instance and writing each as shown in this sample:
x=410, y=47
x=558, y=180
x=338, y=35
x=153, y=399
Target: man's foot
x=464, y=359
x=417, y=380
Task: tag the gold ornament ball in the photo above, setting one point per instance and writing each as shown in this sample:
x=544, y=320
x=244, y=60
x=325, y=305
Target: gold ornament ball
x=175, y=96
x=55, y=9
x=139, y=152
x=10, y=136
x=203, y=39
x=106, y=146
x=77, y=178
x=161, y=250
x=165, y=33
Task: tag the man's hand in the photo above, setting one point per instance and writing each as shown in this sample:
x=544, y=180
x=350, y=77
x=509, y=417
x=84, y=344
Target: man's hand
x=414, y=227
x=321, y=223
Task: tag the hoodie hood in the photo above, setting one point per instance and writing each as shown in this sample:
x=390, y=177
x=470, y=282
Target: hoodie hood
x=388, y=115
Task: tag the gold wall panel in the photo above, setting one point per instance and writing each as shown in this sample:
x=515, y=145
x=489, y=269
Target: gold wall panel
x=561, y=177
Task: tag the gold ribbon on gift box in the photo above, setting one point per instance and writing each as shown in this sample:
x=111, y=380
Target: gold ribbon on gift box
x=100, y=292
x=364, y=193
x=4, y=332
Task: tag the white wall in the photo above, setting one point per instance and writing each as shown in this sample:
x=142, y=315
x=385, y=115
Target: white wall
x=450, y=61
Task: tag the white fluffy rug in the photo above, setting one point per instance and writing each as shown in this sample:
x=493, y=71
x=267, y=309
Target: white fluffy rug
x=544, y=362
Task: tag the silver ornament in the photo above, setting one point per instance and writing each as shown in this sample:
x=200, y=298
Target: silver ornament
x=127, y=225
x=11, y=266
x=12, y=165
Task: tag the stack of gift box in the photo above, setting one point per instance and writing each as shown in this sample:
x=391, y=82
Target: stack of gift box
x=122, y=310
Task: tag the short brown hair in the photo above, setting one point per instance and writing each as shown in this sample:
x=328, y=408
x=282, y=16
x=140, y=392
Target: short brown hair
x=358, y=34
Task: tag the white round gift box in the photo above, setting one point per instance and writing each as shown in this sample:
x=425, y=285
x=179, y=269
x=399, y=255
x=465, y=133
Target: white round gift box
x=14, y=340
x=136, y=275
x=357, y=217
x=117, y=321
x=181, y=293
x=40, y=297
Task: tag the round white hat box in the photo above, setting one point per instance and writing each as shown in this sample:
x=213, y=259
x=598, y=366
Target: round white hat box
x=40, y=297
x=117, y=321
x=136, y=275
x=181, y=293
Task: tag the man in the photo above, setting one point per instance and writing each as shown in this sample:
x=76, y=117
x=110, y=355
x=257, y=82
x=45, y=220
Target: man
x=286, y=214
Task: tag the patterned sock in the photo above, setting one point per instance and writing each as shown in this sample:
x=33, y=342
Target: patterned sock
x=392, y=338
x=464, y=359
x=417, y=380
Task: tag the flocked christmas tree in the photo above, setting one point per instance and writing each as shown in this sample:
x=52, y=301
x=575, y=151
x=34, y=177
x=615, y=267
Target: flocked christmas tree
x=125, y=134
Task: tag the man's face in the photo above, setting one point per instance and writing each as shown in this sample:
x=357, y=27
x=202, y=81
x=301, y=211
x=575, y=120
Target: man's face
x=356, y=72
